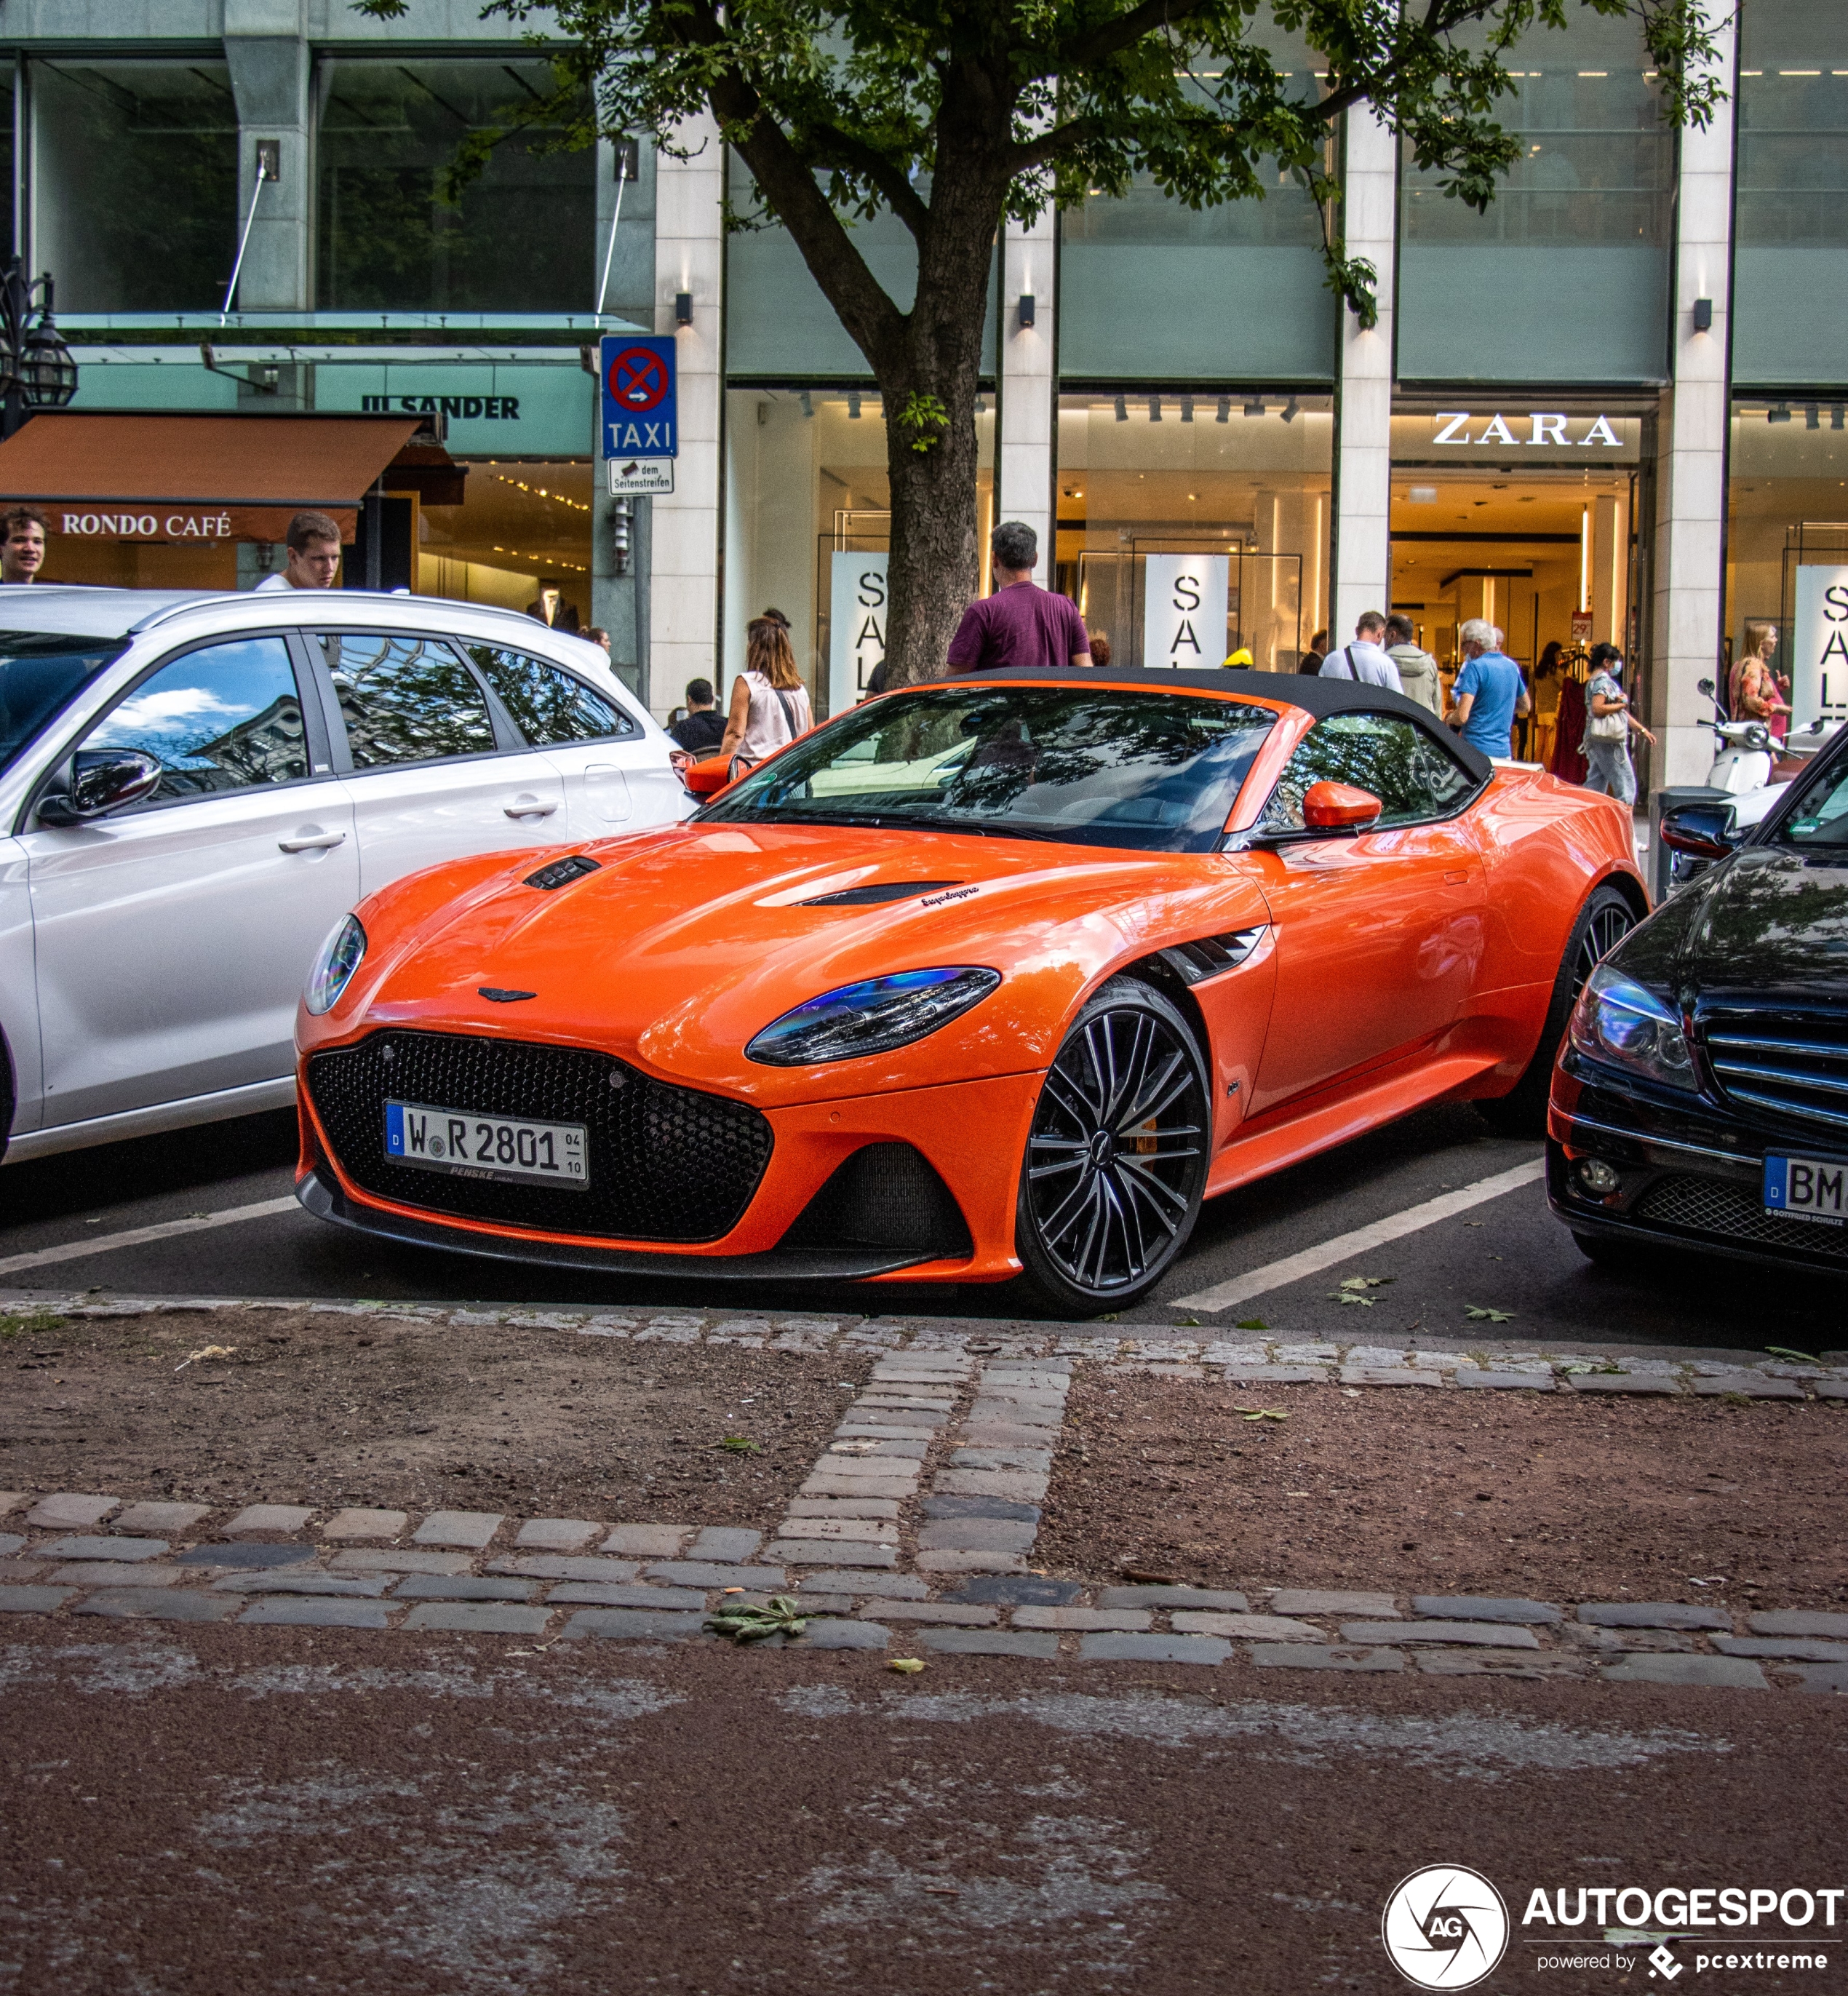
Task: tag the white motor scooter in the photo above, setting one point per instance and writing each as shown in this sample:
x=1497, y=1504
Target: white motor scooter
x=1743, y=758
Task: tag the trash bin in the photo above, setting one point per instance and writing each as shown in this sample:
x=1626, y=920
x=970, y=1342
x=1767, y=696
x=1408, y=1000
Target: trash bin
x=1667, y=800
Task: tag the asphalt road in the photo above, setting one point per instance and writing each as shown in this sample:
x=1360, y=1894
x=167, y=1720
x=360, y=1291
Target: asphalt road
x=1506, y=1253
x=236, y=1808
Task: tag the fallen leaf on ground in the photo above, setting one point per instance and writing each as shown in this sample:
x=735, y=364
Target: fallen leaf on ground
x=1260, y=1413
x=1784, y=1351
x=1478, y=1315
x=1351, y=1296
x=1251, y=1323
x=740, y=1445
x=780, y=1616
x=205, y=1351
x=1366, y=1282
x=906, y=1666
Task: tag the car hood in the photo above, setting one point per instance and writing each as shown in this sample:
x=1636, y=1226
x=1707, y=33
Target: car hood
x=686, y=942
x=1768, y=926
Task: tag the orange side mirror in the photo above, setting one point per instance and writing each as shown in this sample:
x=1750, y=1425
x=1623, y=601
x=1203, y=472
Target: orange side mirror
x=707, y=779
x=1338, y=806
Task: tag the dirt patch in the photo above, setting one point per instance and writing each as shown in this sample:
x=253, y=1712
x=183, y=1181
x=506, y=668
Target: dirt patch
x=1441, y=1491
x=314, y=1408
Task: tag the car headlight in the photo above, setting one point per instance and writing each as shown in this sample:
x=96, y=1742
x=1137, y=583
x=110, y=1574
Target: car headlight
x=334, y=967
x=872, y=1017
x=1620, y=1023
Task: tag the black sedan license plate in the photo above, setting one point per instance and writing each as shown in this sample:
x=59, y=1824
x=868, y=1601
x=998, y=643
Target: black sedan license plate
x=1813, y=1189
x=464, y=1145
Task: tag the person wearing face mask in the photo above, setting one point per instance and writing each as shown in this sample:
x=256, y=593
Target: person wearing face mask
x=1607, y=727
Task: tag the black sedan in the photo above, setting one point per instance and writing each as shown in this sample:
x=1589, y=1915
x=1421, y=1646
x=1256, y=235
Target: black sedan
x=1701, y=1098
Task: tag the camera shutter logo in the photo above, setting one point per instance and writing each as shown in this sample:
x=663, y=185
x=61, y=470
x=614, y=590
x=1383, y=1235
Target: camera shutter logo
x=1445, y=1927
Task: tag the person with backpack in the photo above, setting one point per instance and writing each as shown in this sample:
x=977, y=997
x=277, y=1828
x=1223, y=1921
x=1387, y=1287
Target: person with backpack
x=1365, y=659
x=769, y=705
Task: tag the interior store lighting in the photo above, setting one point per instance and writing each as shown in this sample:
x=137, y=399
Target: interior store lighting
x=1255, y=406
x=1224, y=412
x=1186, y=408
x=1122, y=409
x=853, y=404
x=1289, y=410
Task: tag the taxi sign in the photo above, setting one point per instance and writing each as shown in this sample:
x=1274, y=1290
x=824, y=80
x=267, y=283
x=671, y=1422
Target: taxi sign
x=636, y=372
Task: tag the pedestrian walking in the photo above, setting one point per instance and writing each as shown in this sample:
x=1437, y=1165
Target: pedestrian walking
x=701, y=729
x=1021, y=624
x=22, y=552
x=598, y=636
x=1755, y=688
x=769, y=705
x=1365, y=659
x=1490, y=691
x=1418, y=676
x=1609, y=726
x=313, y=543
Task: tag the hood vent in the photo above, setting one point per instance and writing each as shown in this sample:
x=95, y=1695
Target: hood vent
x=1197, y=961
x=562, y=872
x=870, y=896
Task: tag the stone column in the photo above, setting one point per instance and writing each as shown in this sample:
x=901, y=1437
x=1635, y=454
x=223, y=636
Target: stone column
x=267, y=52
x=1029, y=392
x=1364, y=436
x=683, y=614
x=1690, y=466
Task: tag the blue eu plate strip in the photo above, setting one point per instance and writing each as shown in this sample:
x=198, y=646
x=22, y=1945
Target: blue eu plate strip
x=1777, y=1181
x=395, y=1129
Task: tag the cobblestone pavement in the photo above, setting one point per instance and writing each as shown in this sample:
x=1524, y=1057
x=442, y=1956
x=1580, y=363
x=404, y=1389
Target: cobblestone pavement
x=914, y=1533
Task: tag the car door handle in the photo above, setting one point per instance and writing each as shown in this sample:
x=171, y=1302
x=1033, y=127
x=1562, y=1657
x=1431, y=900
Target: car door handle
x=522, y=807
x=319, y=843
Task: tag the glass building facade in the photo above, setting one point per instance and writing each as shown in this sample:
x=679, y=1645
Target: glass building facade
x=1505, y=444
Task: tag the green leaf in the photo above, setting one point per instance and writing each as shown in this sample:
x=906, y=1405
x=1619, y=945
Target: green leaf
x=922, y=420
x=742, y=1445
x=1478, y=1315
x=1351, y=1296
x=1367, y=1282
x=1784, y=1351
x=780, y=1616
x=1251, y=1323
x=1260, y=1413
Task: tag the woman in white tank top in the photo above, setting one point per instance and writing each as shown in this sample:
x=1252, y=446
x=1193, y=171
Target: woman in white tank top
x=770, y=705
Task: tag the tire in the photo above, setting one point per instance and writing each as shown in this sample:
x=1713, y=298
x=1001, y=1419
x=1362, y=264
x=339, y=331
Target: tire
x=1117, y=1158
x=1603, y=922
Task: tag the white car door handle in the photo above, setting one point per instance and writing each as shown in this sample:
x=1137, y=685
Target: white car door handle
x=318, y=843
x=529, y=807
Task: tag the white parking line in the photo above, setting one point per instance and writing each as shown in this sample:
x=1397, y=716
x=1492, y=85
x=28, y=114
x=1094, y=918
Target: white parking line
x=1312, y=1260
x=134, y=1237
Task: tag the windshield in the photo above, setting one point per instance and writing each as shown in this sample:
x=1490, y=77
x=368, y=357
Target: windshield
x=1820, y=815
x=1088, y=766
x=40, y=674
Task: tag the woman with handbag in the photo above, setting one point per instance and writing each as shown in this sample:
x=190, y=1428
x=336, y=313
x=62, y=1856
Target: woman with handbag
x=770, y=705
x=1607, y=728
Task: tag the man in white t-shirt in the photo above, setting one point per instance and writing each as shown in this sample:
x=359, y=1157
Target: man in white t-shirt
x=1366, y=658
x=313, y=546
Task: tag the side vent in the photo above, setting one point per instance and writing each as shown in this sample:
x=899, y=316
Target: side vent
x=1194, y=962
x=562, y=872
x=884, y=1195
x=870, y=896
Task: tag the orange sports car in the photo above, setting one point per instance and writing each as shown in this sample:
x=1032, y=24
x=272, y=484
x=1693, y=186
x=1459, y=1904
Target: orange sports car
x=992, y=979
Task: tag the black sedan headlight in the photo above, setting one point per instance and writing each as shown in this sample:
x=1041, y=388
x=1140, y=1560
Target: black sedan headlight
x=1624, y=1025
x=871, y=1017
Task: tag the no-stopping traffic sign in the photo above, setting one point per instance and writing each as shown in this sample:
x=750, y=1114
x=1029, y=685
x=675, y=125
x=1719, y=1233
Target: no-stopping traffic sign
x=637, y=373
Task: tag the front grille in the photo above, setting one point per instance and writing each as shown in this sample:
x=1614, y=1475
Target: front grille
x=666, y=1163
x=1707, y=1206
x=1793, y=1067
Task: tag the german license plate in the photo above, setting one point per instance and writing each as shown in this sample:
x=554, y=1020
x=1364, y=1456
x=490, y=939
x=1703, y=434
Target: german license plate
x=486, y=1146
x=1815, y=1188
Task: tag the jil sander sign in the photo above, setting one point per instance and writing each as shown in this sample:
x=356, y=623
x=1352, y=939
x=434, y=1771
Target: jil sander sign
x=1543, y=428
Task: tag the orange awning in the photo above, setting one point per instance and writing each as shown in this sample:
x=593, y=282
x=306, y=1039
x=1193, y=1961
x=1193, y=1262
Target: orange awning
x=101, y=475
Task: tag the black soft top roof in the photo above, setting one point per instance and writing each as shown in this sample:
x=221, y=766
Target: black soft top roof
x=1313, y=694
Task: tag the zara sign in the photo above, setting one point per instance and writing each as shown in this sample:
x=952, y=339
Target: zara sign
x=1547, y=428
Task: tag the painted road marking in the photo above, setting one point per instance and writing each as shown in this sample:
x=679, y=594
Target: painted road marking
x=135, y=1236
x=1313, y=1260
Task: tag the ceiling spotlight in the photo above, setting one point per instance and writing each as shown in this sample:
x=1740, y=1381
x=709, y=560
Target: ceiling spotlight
x=1812, y=417
x=853, y=404
x=1122, y=409
x=1289, y=410
x=1155, y=409
x=1186, y=408
x=1224, y=414
x=1779, y=412
x=1835, y=416
x=1255, y=406
x=808, y=402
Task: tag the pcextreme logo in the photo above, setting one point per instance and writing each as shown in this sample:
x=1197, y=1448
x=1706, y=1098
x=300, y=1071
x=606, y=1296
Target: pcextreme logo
x=1445, y=1927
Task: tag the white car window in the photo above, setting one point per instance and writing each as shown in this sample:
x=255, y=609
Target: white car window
x=548, y=704
x=406, y=699
x=224, y=718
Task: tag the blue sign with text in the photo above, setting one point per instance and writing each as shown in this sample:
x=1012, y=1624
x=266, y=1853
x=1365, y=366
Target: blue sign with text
x=638, y=375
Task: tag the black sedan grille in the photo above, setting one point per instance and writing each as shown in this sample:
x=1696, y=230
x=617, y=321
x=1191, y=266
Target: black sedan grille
x=1707, y=1206
x=1792, y=1068
x=665, y=1163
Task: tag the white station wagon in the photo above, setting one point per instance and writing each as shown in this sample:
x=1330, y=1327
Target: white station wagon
x=194, y=789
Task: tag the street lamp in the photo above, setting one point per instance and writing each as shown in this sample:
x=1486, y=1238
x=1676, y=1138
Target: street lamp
x=36, y=370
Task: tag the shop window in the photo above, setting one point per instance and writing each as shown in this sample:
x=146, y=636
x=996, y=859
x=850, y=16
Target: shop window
x=808, y=525
x=523, y=527
x=1235, y=291
x=519, y=238
x=777, y=321
x=1566, y=278
x=1240, y=476
x=1790, y=270
x=1787, y=544
x=134, y=199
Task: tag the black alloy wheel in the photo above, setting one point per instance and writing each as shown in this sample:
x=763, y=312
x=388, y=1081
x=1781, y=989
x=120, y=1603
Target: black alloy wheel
x=1116, y=1163
x=1606, y=918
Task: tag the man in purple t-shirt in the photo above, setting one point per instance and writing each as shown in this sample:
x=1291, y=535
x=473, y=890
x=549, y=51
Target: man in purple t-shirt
x=1021, y=624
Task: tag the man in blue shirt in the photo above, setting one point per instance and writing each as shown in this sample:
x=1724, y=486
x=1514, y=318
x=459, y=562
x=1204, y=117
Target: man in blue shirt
x=1489, y=690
